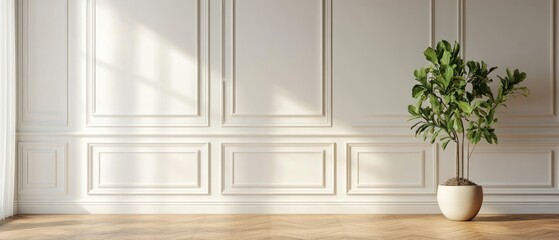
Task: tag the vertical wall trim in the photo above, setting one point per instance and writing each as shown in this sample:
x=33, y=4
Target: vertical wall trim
x=461, y=26
x=432, y=10
x=553, y=12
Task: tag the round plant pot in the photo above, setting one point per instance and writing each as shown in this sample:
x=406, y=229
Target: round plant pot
x=460, y=203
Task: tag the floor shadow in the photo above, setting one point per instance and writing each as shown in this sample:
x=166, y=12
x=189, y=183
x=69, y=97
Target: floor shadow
x=513, y=218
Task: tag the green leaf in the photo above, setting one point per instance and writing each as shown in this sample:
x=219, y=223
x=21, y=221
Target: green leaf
x=491, y=70
x=458, y=125
x=442, y=81
x=465, y=107
x=444, y=45
x=523, y=90
x=412, y=110
x=420, y=73
x=509, y=74
x=417, y=90
x=445, y=59
x=434, y=137
x=487, y=137
x=431, y=55
x=494, y=136
x=476, y=139
x=456, y=49
x=445, y=143
x=435, y=103
x=415, y=124
x=421, y=76
x=448, y=74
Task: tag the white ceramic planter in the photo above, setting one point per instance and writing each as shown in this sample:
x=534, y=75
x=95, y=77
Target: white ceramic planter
x=460, y=203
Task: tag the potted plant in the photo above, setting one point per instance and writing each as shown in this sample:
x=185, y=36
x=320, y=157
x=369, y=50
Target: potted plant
x=456, y=103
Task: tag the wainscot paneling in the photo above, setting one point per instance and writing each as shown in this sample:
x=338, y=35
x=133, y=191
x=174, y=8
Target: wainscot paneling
x=43, y=63
x=147, y=63
x=292, y=88
x=269, y=106
x=524, y=37
x=397, y=168
x=516, y=168
x=148, y=168
x=374, y=58
x=278, y=168
x=42, y=168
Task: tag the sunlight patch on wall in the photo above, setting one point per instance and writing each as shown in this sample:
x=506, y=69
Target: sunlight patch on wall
x=144, y=66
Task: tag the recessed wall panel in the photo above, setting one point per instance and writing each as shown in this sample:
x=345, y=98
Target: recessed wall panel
x=148, y=63
x=515, y=169
x=278, y=168
x=391, y=168
x=43, y=99
x=516, y=34
x=143, y=168
x=377, y=45
x=42, y=168
x=277, y=69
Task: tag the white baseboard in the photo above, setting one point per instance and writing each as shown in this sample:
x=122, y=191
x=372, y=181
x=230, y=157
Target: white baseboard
x=271, y=208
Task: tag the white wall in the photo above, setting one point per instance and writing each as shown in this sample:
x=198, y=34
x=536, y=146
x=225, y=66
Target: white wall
x=268, y=106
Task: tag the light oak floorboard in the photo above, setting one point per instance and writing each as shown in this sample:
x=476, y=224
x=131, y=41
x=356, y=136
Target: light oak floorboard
x=278, y=227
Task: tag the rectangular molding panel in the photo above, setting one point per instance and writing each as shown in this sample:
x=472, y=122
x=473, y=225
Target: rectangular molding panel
x=143, y=71
x=43, y=63
x=147, y=168
x=290, y=168
x=377, y=82
x=538, y=30
x=270, y=106
x=258, y=91
x=516, y=168
x=391, y=168
x=42, y=168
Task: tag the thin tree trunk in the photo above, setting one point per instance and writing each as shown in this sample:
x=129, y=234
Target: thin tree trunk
x=468, y=169
x=462, y=151
x=468, y=159
x=457, y=159
x=470, y=156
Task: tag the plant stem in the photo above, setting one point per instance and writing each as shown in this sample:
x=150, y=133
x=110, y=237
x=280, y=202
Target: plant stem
x=457, y=160
x=469, y=156
x=462, y=152
x=468, y=166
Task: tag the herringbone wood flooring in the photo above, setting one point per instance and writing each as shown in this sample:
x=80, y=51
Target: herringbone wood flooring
x=278, y=227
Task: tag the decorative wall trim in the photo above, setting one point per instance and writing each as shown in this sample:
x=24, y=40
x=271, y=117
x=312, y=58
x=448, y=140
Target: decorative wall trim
x=230, y=118
x=201, y=172
x=383, y=120
x=516, y=120
x=273, y=207
x=427, y=154
x=77, y=151
x=27, y=117
x=460, y=28
x=547, y=153
x=200, y=119
x=321, y=153
x=27, y=171
x=535, y=136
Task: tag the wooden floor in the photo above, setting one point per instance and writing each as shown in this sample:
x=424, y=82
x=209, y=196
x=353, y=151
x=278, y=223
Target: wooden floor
x=277, y=227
